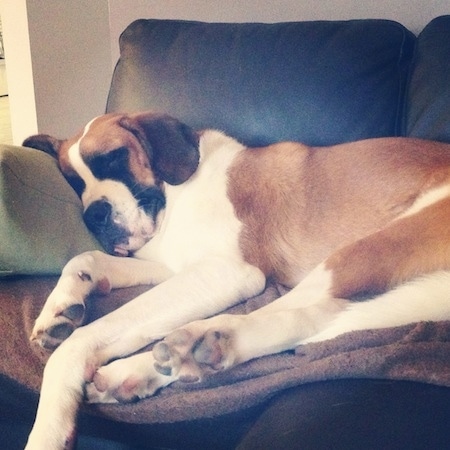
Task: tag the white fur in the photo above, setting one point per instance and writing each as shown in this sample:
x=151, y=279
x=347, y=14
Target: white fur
x=199, y=257
x=426, y=298
x=125, y=208
x=427, y=199
x=77, y=162
x=201, y=206
x=194, y=259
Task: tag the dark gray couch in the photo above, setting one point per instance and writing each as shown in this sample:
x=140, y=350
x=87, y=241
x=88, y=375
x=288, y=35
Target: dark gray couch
x=317, y=82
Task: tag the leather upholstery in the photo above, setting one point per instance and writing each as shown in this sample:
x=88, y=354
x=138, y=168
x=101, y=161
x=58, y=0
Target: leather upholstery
x=428, y=98
x=316, y=82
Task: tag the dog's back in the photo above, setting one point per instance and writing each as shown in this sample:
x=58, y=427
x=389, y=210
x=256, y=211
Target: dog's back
x=299, y=204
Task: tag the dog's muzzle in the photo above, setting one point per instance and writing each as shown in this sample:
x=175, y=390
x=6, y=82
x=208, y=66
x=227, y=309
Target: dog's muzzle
x=113, y=236
x=97, y=215
x=124, y=232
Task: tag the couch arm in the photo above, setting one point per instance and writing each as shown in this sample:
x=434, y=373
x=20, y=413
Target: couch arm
x=41, y=226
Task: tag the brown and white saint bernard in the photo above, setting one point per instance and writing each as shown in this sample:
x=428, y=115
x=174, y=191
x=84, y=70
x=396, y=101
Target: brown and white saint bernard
x=208, y=220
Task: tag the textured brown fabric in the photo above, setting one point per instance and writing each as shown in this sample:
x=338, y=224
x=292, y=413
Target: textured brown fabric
x=416, y=352
x=20, y=301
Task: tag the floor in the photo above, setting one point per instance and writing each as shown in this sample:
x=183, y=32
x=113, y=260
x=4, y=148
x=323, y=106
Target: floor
x=5, y=122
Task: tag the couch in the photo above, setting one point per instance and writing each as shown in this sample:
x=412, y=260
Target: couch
x=320, y=83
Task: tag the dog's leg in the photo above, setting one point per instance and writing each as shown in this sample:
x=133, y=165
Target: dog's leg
x=223, y=341
x=415, y=244
x=270, y=328
x=130, y=378
x=203, y=289
x=86, y=273
x=127, y=380
x=426, y=298
x=67, y=370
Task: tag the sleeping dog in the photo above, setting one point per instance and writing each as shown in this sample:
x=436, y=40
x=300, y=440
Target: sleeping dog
x=207, y=221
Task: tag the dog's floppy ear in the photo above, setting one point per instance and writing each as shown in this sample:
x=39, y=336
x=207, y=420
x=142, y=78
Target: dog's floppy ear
x=172, y=145
x=44, y=142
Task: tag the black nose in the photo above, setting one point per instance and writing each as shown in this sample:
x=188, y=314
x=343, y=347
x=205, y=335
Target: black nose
x=97, y=215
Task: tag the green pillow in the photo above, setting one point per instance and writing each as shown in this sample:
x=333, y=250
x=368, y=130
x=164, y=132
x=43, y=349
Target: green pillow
x=41, y=224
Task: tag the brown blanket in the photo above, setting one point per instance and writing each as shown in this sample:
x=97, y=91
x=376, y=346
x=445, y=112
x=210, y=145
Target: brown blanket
x=416, y=352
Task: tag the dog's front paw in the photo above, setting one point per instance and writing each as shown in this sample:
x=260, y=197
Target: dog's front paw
x=57, y=322
x=64, y=310
x=196, y=350
x=126, y=380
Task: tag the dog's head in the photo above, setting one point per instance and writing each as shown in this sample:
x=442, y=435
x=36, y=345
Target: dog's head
x=118, y=165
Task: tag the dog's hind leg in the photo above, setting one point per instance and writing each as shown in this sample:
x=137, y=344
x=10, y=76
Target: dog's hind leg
x=387, y=265
x=426, y=298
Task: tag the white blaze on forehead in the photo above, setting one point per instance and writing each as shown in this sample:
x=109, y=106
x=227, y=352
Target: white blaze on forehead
x=125, y=207
x=77, y=162
x=99, y=189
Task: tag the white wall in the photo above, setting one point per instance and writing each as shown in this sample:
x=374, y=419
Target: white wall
x=70, y=56
x=60, y=53
x=414, y=14
x=58, y=61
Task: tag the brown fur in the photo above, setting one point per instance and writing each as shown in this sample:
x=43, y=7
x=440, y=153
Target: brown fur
x=406, y=248
x=114, y=135
x=300, y=204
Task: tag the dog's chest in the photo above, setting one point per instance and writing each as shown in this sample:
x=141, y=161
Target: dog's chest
x=199, y=219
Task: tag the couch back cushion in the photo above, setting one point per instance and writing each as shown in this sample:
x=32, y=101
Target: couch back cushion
x=428, y=97
x=316, y=82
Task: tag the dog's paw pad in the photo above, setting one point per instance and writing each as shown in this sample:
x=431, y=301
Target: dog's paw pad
x=161, y=352
x=125, y=380
x=50, y=332
x=61, y=331
x=188, y=357
x=124, y=392
x=100, y=382
x=212, y=349
x=75, y=313
x=128, y=390
x=93, y=395
x=167, y=353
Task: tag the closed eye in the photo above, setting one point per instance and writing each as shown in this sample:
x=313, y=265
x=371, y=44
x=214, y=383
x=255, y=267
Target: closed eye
x=151, y=199
x=113, y=164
